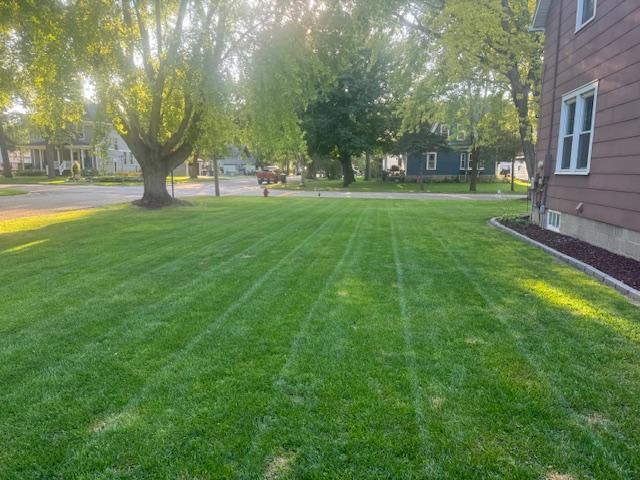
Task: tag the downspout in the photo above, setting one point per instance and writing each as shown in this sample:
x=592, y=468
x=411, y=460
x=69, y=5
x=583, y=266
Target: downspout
x=548, y=159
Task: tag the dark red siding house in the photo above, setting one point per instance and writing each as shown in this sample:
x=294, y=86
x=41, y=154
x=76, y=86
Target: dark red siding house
x=588, y=148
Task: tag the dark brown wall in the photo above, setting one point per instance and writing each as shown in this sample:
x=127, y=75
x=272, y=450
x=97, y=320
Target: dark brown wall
x=607, y=50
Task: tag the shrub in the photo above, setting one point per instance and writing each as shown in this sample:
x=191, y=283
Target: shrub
x=30, y=173
x=118, y=179
x=75, y=169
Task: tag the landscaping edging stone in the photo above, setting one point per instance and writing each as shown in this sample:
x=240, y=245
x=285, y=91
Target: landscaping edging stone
x=586, y=268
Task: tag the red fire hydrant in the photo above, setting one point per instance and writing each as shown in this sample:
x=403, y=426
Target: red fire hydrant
x=265, y=192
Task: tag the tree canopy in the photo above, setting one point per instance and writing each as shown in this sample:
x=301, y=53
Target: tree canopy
x=289, y=79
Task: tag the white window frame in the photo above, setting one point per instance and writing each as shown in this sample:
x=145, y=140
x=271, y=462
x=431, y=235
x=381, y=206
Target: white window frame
x=461, y=136
x=435, y=160
x=470, y=166
x=464, y=164
x=444, y=129
x=553, y=214
x=577, y=96
x=580, y=8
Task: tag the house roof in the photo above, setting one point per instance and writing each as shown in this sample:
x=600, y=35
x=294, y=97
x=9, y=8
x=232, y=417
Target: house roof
x=540, y=17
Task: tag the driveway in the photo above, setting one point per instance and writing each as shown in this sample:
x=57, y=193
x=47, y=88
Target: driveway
x=43, y=199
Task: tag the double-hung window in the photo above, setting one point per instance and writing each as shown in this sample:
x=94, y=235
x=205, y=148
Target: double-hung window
x=432, y=159
x=464, y=159
x=585, y=13
x=576, y=130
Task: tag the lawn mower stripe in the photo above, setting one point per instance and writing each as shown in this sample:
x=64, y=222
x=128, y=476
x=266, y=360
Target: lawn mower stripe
x=410, y=354
x=178, y=355
x=295, y=343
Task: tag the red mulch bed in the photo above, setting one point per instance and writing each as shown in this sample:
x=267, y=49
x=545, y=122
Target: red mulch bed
x=625, y=269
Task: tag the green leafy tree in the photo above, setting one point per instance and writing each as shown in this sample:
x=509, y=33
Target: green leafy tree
x=499, y=132
x=8, y=83
x=41, y=69
x=155, y=62
x=284, y=77
x=348, y=119
x=488, y=35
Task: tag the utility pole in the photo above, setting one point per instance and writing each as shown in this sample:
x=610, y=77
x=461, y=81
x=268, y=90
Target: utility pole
x=513, y=166
x=216, y=182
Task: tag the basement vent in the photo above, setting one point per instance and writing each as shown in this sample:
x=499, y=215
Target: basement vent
x=553, y=220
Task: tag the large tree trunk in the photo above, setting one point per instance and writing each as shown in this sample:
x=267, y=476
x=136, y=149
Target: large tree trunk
x=4, y=151
x=367, y=166
x=347, y=170
x=520, y=93
x=475, y=156
x=50, y=155
x=155, y=185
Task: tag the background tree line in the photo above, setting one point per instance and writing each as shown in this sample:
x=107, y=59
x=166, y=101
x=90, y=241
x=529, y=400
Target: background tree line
x=292, y=80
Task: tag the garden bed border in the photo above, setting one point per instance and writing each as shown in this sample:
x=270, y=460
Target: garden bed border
x=605, y=278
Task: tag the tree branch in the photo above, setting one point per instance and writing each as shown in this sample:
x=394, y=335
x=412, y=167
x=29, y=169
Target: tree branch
x=158, y=28
x=144, y=36
x=156, y=105
x=180, y=155
x=179, y=134
x=416, y=26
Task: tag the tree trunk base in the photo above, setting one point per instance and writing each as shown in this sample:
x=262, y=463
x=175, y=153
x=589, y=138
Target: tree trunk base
x=156, y=203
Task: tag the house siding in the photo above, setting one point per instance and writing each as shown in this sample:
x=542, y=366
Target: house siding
x=606, y=50
x=447, y=165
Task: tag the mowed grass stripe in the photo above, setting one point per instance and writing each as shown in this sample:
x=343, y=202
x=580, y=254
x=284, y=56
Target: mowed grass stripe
x=130, y=341
x=129, y=309
x=344, y=409
x=430, y=468
x=470, y=371
x=280, y=380
x=49, y=295
x=55, y=256
x=220, y=384
x=571, y=342
x=121, y=332
x=116, y=421
x=552, y=398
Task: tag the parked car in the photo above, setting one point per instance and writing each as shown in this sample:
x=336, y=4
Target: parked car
x=268, y=174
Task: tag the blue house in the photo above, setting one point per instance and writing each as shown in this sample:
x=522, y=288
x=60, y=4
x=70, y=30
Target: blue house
x=452, y=163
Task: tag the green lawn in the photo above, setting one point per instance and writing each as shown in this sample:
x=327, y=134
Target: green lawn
x=7, y=192
x=15, y=180
x=308, y=338
x=378, y=186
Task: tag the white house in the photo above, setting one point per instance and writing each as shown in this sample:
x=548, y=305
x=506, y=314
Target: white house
x=94, y=144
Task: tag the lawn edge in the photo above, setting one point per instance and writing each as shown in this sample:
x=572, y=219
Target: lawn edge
x=605, y=278
x=14, y=191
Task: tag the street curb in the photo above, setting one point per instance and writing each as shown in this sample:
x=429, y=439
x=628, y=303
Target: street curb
x=605, y=278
